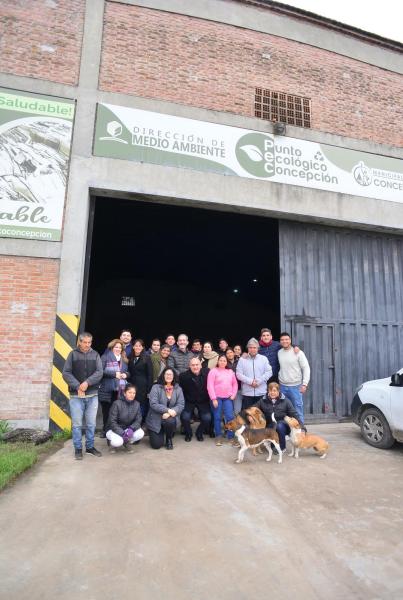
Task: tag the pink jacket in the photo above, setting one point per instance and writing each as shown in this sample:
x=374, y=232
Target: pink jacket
x=221, y=383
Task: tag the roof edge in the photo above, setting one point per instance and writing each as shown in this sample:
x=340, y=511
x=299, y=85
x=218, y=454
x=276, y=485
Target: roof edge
x=293, y=11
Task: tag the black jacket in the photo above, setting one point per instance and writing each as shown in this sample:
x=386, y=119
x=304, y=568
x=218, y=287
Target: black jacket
x=83, y=366
x=141, y=375
x=124, y=414
x=195, y=388
x=281, y=408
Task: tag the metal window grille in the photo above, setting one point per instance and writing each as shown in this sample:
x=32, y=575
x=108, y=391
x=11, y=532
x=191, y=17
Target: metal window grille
x=286, y=108
x=128, y=301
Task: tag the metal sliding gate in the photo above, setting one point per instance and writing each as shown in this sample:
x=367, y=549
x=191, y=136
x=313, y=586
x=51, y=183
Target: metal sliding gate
x=342, y=301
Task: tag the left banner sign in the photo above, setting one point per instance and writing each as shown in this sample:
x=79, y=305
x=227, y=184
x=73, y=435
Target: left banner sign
x=35, y=142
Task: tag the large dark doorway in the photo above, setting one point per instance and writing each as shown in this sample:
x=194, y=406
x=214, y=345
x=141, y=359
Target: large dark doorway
x=207, y=273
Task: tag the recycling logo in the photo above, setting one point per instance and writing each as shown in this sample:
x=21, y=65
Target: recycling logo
x=255, y=153
x=362, y=174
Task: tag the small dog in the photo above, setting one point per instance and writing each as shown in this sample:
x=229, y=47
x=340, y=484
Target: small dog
x=253, y=438
x=253, y=418
x=299, y=439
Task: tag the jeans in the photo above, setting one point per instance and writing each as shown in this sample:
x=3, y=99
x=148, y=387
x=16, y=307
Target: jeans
x=225, y=405
x=282, y=429
x=80, y=407
x=205, y=419
x=292, y=392
x=248, y=401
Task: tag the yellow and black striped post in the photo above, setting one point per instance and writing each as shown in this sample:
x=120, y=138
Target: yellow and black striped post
x=65, y=340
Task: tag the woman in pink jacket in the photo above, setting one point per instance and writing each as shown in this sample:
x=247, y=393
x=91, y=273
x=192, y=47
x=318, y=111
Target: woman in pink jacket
x=222, y=388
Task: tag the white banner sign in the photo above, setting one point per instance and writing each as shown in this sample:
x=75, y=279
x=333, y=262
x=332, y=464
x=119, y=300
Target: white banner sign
x=144, y=136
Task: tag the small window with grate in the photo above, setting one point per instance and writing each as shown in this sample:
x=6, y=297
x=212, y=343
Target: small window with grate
x=286, y=108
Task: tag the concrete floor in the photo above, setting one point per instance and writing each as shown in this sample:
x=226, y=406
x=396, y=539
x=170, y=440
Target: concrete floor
x=191, y=524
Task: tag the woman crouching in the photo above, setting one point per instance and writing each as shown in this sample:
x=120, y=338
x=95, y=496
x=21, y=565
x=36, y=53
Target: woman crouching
x=166, y=404
x=276, y=403
x=124, y=421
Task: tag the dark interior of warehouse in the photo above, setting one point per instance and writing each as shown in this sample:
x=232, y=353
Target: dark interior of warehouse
x=157, y=268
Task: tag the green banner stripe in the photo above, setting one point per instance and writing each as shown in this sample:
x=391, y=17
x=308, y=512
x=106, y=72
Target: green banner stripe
x=15, y=231
x=37, y=106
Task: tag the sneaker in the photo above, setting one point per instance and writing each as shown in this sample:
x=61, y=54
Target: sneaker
x=93, y=451
x=128, y=449
x=78, y=454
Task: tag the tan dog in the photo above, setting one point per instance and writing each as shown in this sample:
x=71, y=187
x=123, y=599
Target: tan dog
x=255, y=420
x=253, y=438
x=300, y=439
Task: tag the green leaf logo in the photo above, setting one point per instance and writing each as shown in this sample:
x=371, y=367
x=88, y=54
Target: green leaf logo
x=255, y=153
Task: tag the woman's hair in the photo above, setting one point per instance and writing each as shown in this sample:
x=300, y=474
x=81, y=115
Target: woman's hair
x=139, y=341
x=207, y=342
x=166, y=347
x=129, y=386
x=113, y=343
x=229, y=349
x=161, y=378
x=273, y=386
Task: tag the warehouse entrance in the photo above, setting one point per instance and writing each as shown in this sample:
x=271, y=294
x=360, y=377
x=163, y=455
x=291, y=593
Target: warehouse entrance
x=157, y=268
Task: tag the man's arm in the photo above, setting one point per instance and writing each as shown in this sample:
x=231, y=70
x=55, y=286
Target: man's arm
x=171, y=363
x=68, y=376
x=305, y=368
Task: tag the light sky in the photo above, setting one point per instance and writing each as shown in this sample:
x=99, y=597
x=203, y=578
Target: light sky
x=383, y=17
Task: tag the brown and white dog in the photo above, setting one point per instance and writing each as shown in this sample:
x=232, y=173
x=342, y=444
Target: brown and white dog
x=253, y=418
x=253, y=438
x=300, y=439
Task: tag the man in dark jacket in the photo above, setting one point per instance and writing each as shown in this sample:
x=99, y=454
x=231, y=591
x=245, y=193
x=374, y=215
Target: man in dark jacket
x=83, y=372
x=179, y=359
x=194, y=386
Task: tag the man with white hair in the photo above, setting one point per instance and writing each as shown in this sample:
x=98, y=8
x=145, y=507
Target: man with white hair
x=180, y=358
x=253, y=371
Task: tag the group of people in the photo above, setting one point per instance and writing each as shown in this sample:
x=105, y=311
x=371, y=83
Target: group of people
x=151, y=391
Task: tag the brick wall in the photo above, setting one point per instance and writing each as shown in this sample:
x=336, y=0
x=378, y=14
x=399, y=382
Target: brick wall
x=214, y=66
x=42, y=38
x=28, y=292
